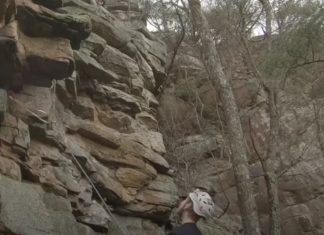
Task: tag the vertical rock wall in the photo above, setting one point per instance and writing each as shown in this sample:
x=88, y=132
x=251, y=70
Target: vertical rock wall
x=77, y=80
x=191, y=117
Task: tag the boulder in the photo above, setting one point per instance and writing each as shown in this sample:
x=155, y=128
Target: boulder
x=38, y=212
x=47, y=23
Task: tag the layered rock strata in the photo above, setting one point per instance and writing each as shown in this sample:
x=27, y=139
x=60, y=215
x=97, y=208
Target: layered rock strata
x=77, y=82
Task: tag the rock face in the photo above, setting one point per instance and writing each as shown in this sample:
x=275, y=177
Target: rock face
x=197, y=149
x=76, y=87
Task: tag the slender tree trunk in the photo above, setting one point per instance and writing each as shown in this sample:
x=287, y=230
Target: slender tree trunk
x=270, y=173
x=268, y=12
x=239, y=156
x=319, y=130
x=268, y=164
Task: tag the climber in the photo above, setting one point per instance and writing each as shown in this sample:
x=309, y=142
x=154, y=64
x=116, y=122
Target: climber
x=197, y=205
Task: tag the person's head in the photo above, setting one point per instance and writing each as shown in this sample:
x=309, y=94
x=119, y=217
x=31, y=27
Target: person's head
x=197, y=205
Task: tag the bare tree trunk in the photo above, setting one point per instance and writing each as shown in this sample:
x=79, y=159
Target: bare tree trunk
x=239, y=156
x=319, y=130
x=268, y=12
x=270, y=173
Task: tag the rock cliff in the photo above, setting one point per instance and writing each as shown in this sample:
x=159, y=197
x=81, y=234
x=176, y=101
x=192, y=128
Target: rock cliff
x=193, y=125
x=77, y=87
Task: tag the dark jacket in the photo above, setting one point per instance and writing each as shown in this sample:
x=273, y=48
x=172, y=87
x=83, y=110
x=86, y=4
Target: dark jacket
x=186, y=229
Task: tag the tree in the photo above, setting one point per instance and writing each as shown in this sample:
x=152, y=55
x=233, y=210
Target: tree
x=233, y=124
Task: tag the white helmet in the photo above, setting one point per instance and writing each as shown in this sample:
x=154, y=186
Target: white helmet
x=203, y=204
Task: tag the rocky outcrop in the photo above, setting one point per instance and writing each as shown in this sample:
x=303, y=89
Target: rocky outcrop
x=192, y=121
x=77, y=84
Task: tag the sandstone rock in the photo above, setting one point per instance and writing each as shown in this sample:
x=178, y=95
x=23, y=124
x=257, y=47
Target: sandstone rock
x=33, y=98
x=150, y=139
x=156, y=200
x=52, y=4
x=154, y=54
x=94, y=43
x=7, y=11
x=132, y=178
x=71, y=85
x=118, y=121
x=150, y=99
x=49, y=181
x=9, y=168
x=140, y=226
x=69, y=176
x=144, y=210
x=109, y=187
x=83, y=107
x=121, y=64
x=154, y=47
x=100, y=134
x=245, y=91
x=12, y=59
x=47, y=214
x=124, y=5
x=146, y=72
x=46, y=153
x=63, y=95
x=117, y=99
x=14, y=131
x=52, y=57
x=3, y=104
x=137, y=86
x=117, y=158
x=53, y=137
x=147, y=120
x=103, y=23
x=47, y=23
x=196, y=146
x=89, y=68
x=131, y=146
x=96, y=217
